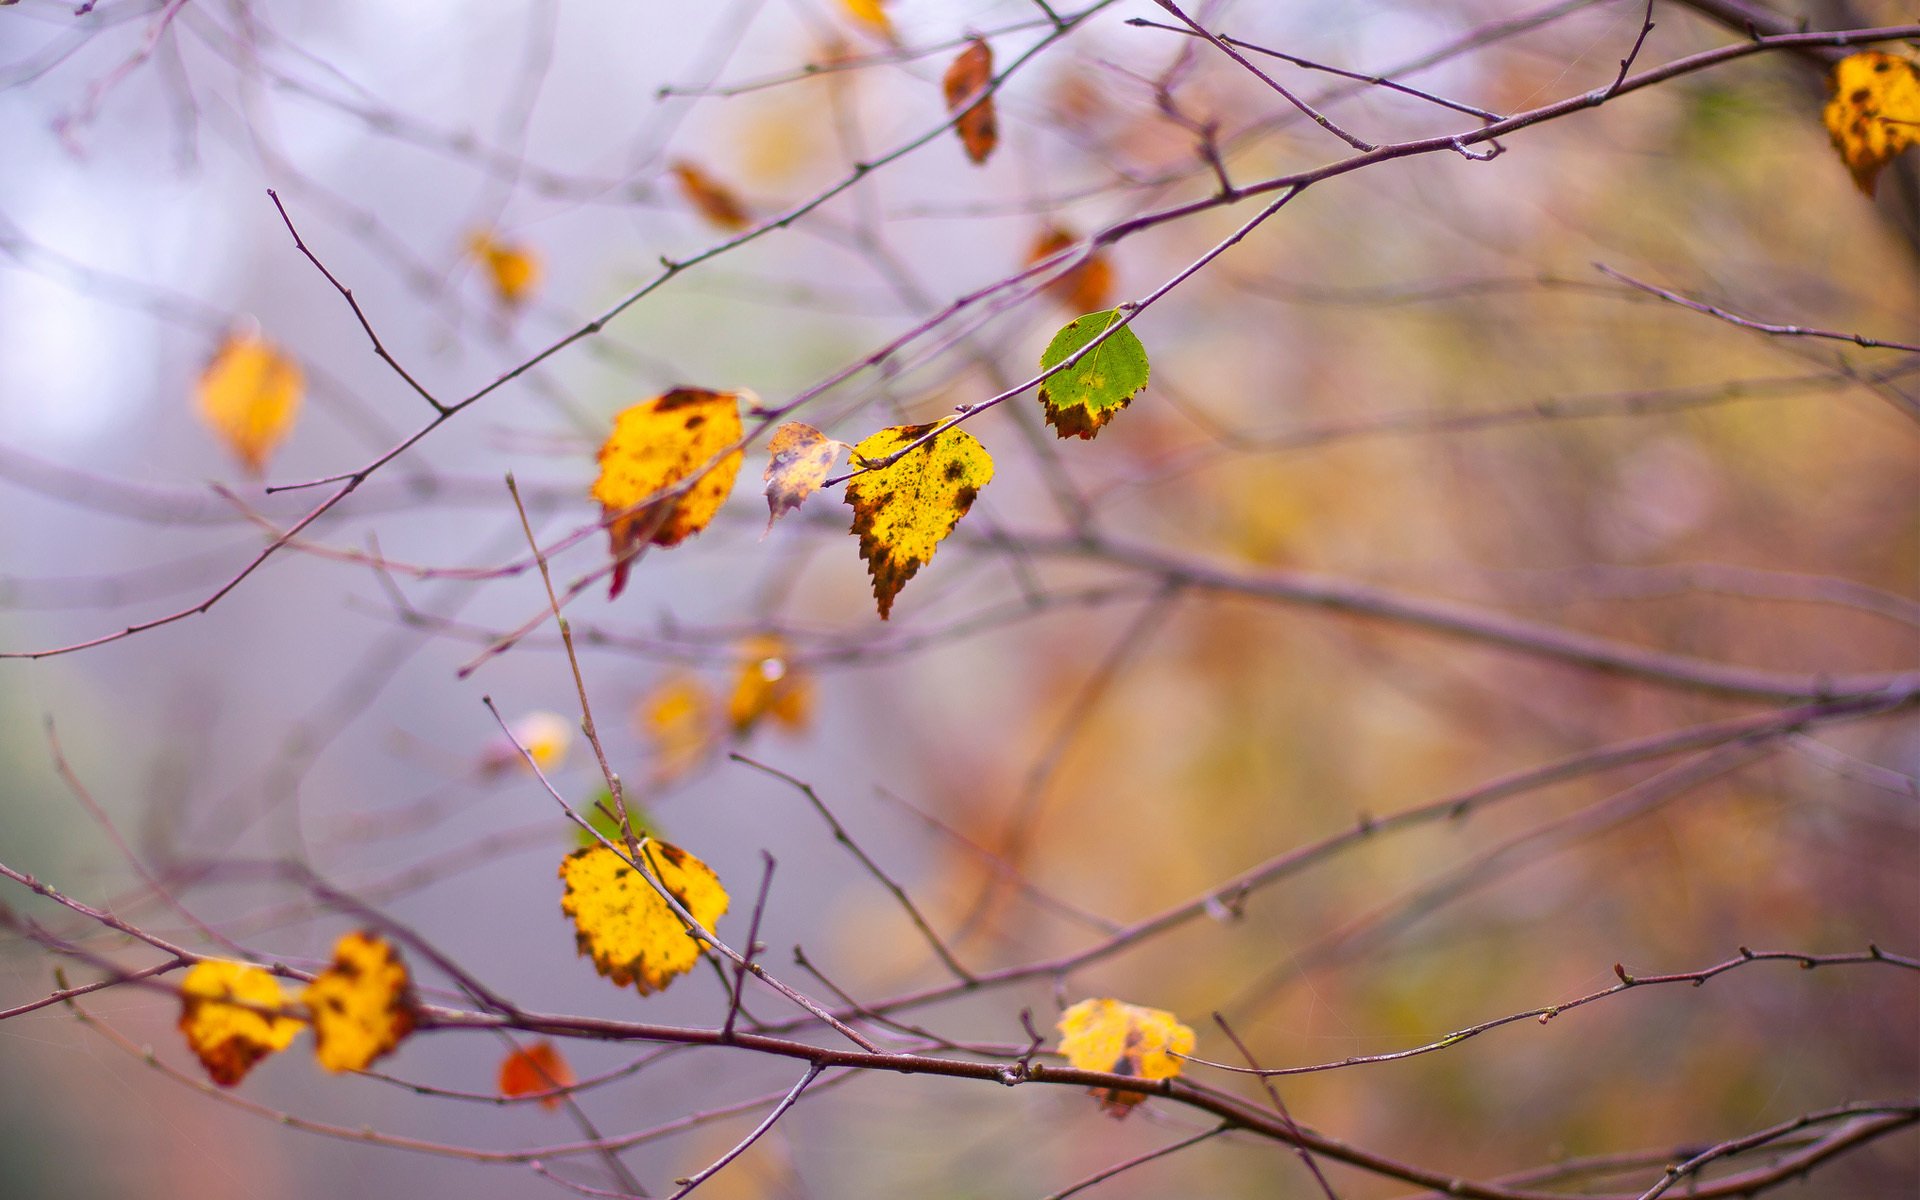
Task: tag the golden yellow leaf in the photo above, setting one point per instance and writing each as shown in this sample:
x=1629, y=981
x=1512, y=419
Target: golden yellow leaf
x=870, y=13
x=362, y=1005
x=768, y=686
x=1123, y=1039
x=679, y=720
x=1087, y=287
x=513, y=267
x=799, y=459
x=249, y=395
x=1874, y=113
x=546, y=736
x=978, y=129
x=535, y=1069
x=229, y=1038
x=654, y=445
x=710, y=198
x=902, y=511
x=621, y=922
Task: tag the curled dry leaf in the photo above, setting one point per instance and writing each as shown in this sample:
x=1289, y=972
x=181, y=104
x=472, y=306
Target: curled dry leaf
x=902, y=511
x=768, y=685
x=230, y=1037
x=1087, y=287
x=362, y=1005
x=513, y=268
x=249, y=394
x=1123, y=1039
x=655, y=445
x=531, y=1070
x=621, y=922
x=977, y=126
x=1874, y=113
x=710, y=198
x=799, y=458
x=1088, y=394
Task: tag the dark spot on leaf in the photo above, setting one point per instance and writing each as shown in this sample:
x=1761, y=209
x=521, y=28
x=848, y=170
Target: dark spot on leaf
x=1861, y=95
x=681, y=397
x=963, y=499
x=954, y=471
x=696, y=421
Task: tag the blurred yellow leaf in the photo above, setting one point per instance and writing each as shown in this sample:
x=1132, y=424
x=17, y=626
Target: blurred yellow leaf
x=902, y=511
x=654, y=445
x=1123, y=1039
x=768, y=686
x=249, y=395
x=799, y=458
x=535, y=1069
x=513, y=268
x=710, y=198
x=871, y=13
x=978, y=128
x=1874, y=113
x=1087, y=287
x=546, y=736
x=619, y=920
x=228, y=1037
x=362, y=1005
x=679, y=719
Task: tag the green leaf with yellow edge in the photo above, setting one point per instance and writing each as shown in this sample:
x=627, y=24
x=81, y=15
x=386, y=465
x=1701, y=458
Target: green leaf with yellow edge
x=249, y=394
x=1123, y=1039
x=655, y=445
x=1085, y=396
x=901, y=511
x=622, y=923
x=362, y=1005
x=1874, y=113
x=231, y=1037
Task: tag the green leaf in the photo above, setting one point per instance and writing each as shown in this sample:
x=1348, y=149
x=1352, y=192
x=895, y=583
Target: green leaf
x=1085, y=396
x=599, y=813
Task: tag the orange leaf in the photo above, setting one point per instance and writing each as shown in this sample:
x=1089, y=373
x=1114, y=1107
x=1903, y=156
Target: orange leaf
x=249, y=394
x=1084, y=289
x=799, y=459
x=655, y=445
x=514, y=269
x=871, y=14
x=970, y=73
x=537, y=1068
x=768, y=685
x=711, y=199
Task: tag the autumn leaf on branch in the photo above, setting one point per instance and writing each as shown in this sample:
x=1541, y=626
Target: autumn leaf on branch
x=362, y=1005
x=768, y=685
x=1088, y=394
x=1123, y=1039
x=512, y=268
x=1087, y=287
x=621, y=922
x=977, y=126
x=1874, y=113
x=799, y=458
x=902, y=511
x=655, y=445
x=534, y=1069
x=710, y=198
x=229, y=1037
x=249, y=394
x=680, y=721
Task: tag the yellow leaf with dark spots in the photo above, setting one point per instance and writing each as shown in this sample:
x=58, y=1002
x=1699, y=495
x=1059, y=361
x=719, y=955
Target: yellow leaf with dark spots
x=232, y=1016
x=623, y=924
x=1123, y=1039
x=1874, y=113
x=902, y=511
x=362, y=1005
x=654, y=446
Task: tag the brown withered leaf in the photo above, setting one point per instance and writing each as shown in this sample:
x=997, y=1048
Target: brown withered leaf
x=977, y=126
x=1087, y=287
x=711, y=198
x=799, y=458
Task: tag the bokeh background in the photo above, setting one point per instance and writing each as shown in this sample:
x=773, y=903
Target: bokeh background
x=1414, y=378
